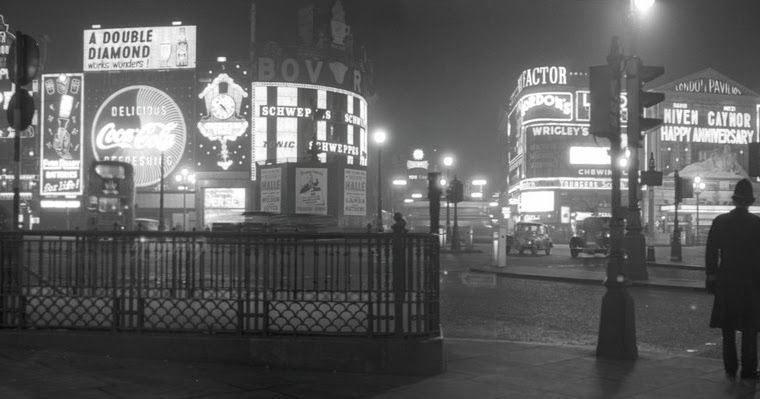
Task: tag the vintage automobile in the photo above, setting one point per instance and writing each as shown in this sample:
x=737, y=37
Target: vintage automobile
x=592, y=238
x=530, y=236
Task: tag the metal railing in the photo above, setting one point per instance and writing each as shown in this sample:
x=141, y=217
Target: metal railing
x=370, y=284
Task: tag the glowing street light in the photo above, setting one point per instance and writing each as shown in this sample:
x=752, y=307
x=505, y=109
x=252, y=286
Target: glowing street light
x=418, y=154
x=448, y=160
x=379, y=136
x=642, y=6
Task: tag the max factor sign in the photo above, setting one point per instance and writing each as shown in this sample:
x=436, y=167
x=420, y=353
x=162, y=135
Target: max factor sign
x=543, y=75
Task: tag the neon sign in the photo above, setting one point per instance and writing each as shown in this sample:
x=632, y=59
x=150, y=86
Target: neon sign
x=120, y=135
x=543, y=75
x=697, y=123
x=61, y=166
x=164, y=47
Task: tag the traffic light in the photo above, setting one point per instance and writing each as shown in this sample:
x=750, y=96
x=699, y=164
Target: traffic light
x=753, y=152
x=687, y=188
x=24, y=61
x=678, y=188
x=24, y=69
x=456, y=191
x=601, y=98
x=434, y=186
x=637, y=75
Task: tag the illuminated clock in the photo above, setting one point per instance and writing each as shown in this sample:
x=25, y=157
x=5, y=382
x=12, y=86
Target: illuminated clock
x=222, y=106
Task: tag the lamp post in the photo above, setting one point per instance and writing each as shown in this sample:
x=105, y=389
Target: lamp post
x=380, y=136
x=185, y=179
x=448, y=160
x=699, y=185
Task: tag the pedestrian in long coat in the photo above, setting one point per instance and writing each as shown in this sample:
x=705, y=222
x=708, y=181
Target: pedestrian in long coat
x=732, y=265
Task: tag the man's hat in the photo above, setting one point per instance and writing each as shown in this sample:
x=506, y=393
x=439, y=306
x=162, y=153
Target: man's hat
x=743, y=191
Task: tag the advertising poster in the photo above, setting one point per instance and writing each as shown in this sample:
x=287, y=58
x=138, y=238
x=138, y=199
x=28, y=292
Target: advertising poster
x=311, y=190
x=271, y=190
x=223, y=205
x=61, y=137
x=137, y=117
x=224, y=132
x=355, y=192
x=132, y=49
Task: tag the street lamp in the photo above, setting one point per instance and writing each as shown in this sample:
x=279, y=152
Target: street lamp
x=380, y=136
x=185, y=180
x=698, y=185
x=448, y=160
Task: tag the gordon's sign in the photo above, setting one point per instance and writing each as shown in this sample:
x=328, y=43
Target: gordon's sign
x=129, y=49
x=136, y=125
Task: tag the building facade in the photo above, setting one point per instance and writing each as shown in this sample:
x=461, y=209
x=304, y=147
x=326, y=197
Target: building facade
x=281, y=129
x=558, y=174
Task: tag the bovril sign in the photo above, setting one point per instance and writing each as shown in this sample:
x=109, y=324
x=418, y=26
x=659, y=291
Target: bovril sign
x=136, y=125
x=312, y=71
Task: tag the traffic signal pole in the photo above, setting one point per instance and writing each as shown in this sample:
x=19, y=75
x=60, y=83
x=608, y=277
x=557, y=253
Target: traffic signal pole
x=675, y=240
x=634, y=242
x=617, y=328
x=18, y=111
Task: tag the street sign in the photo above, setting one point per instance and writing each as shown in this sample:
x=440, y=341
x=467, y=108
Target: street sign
x=27, y=109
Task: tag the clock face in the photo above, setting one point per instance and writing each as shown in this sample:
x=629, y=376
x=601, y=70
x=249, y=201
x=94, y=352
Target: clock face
x=222, y=106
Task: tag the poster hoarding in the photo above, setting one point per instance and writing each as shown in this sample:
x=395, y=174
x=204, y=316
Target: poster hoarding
x=142, y=48
x=271, y=190
x=355, y=192
x=61, y=134
x=311, y=190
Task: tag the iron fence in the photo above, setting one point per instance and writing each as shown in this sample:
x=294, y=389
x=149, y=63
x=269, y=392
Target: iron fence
x=262, y=283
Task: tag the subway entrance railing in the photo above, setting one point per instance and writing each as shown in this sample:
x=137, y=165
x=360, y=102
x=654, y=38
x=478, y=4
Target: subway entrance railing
x=373, y=284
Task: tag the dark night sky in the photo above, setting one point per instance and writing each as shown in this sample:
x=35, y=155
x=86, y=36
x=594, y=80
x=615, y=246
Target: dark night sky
x=444, y=68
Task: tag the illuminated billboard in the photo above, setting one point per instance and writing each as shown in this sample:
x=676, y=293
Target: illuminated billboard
x=136, y=117
x=224, y=127
x=289, y=120
x=145, y=48
x=715, y=123
x=287, y=64
x=61, y=134
x=137, y=124
x=223, y=205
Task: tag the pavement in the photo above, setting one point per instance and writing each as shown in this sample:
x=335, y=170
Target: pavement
x=475, y=368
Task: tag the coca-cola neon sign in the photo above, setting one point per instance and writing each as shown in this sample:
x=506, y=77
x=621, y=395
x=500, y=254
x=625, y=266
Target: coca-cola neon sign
x=124, y=131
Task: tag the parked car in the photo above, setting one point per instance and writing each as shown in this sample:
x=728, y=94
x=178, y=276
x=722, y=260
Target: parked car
x=592, y=238
x=530, y=236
